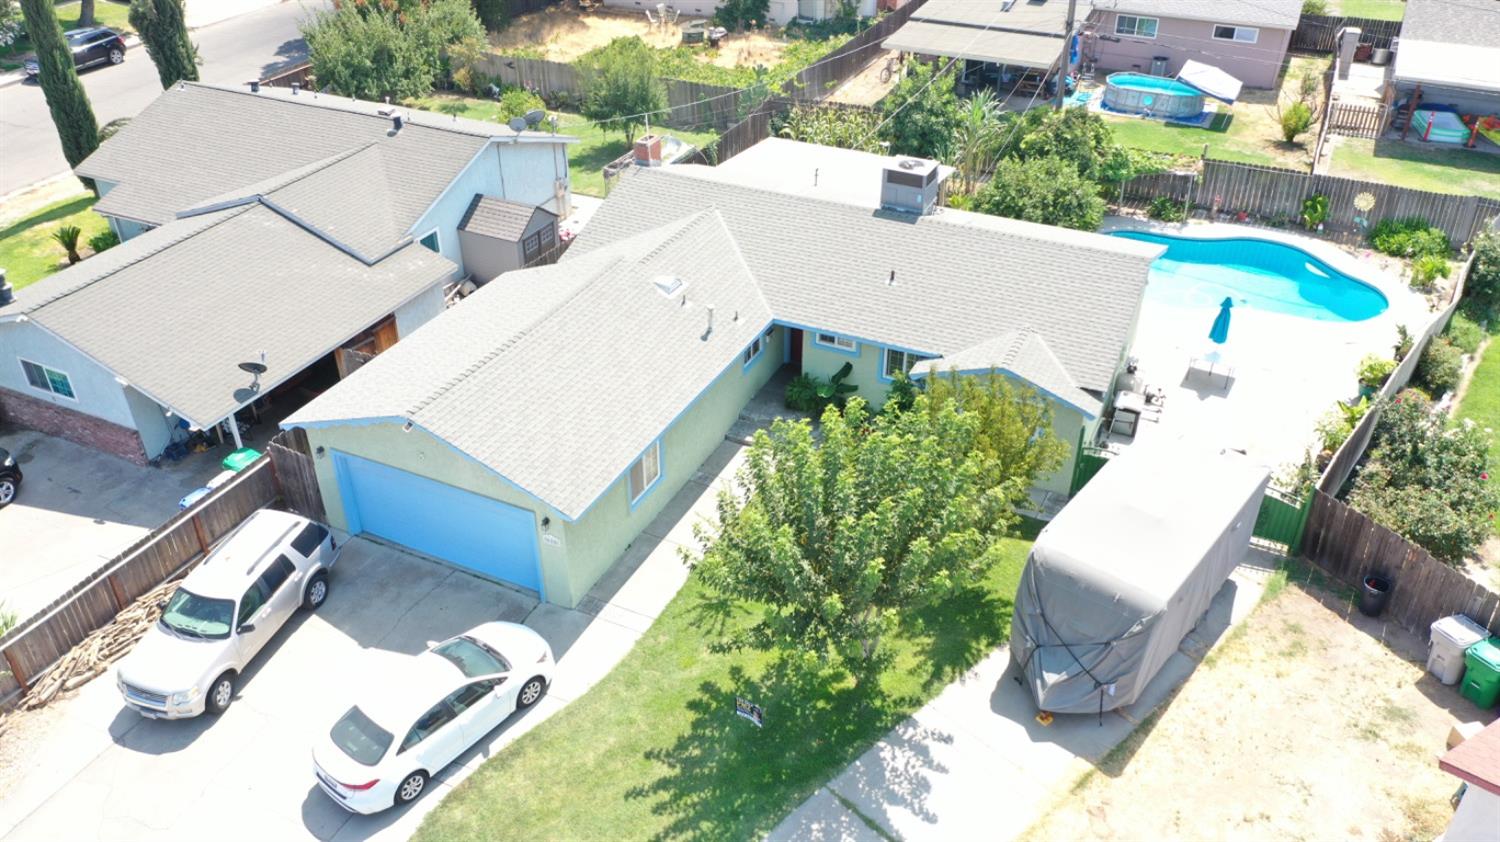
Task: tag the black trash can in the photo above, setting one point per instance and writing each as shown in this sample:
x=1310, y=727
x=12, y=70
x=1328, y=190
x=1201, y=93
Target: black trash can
x=1373, y=595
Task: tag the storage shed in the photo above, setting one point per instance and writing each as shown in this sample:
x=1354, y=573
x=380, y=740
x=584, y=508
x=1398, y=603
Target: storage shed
x=1127, y=569
x=497, y=236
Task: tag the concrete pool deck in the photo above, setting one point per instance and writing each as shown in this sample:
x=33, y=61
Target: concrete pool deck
x=1288, y=370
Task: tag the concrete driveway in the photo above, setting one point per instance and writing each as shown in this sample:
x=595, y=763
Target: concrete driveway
x=76, y=509
x=88, y=769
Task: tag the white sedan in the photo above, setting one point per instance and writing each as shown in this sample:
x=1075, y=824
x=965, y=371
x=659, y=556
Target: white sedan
x=387, y=747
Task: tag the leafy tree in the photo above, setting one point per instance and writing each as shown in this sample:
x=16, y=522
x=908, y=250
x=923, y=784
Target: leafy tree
x=374, y=50
x=72, y=115
x=838, y=537
x=1015, y=425
x=920, y=113
x=163, y=29
x=742, y=14
x=494, y=14
x=978, y=140
x=1045, y=190
x=1427, y=480
x=10, y=22
x=1077, y=136
x=828, y=126
x=621, y=84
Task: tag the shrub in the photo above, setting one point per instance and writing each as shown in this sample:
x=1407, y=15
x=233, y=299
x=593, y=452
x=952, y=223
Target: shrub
x=515, y=102
x=1315, y=7
x=1166, y=209
x=1409, y=236
x=921, y=112
x=370, y=50
x=1295, y=119
x=1465, y=333
x=104, y=241
x=1337, y=424
x=494, y=14
x=1482, y=289
x=1425, y=270
x=620, y=83
x=1045, y=190
x=1079, y=137
x=1441, y=366
x=742, y=14
x=1314, y=211
x=1374, y=369
x=67, y=237
x=1403, y=343
x=802, y=393
x=844, y=128
x=1427, y=480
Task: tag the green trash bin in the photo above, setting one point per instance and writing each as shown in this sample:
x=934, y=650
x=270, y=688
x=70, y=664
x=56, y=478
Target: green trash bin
x=240, y=459
x=1482, y=678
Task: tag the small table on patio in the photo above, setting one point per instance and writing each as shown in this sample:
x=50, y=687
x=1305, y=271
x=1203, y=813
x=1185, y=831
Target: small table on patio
x=1211, y=364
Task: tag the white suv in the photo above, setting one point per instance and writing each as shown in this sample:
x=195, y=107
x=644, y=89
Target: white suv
x=224, y=612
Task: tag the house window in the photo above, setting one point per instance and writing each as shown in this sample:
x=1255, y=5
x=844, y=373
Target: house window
x=900, y=362
x=758, y=345
x=843, y=343
x=431, y=241
x=48, y=379
x=1242, y=34
x=1136, y=27
x=645, y=472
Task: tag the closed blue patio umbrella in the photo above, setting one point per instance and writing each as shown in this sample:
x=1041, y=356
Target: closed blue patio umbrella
x=1219, y=333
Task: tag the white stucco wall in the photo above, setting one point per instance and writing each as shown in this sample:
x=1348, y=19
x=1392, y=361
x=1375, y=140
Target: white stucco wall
x=519, y=172
x=418, y=311
x=151, y=422
x=95, y=387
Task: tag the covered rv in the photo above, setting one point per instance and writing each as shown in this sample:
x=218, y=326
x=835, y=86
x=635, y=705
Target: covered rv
x=1127, y=569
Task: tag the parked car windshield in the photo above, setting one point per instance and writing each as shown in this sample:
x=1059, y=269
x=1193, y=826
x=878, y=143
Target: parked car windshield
x=470, y=657
x=197, y=616
x=81, y=38
x=359, y=737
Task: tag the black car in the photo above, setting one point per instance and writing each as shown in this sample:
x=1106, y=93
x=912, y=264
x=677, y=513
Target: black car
x=91, y=46
x=10, y=478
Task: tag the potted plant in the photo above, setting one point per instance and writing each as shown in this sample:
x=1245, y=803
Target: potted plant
x=1315, y=212
x=1373, y=371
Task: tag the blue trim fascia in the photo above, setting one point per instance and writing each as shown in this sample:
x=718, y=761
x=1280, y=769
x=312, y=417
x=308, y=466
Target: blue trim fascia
x=1056, y=398
x=661, y=471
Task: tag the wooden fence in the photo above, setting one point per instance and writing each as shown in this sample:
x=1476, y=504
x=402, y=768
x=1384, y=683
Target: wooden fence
x=296, y=74
x=1275, y=195
x=1351, y=546
x=1320, y=33
x=296, y=479
x=36, y=644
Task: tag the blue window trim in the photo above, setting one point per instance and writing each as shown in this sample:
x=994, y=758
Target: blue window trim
x=817, y=343
x=661, y=472
x=764, y=339
x=886, y=350
x=437, y=235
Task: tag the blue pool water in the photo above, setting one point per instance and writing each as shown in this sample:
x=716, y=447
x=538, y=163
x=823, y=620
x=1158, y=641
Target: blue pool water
x=1154, y=84
x=1261, y=274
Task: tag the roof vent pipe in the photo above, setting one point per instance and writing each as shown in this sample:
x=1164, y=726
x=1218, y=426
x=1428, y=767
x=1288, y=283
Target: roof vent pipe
x=396, y=122
x=296, y=86
x=254, y=87
x=710, y=320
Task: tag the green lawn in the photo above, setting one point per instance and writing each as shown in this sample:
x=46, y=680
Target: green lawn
x=1437, y=169
x=27, y=250
x=1376, y=9
x=586, y=158
x=1482, y=399
x=655, y=750
x=110, y=13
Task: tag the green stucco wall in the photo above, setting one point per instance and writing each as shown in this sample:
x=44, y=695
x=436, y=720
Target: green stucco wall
x=573, y=555
x=823, y=362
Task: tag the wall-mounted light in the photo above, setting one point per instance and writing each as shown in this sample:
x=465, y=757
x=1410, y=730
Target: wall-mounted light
x=546, y=522
x=318, y=451
x=406, y=428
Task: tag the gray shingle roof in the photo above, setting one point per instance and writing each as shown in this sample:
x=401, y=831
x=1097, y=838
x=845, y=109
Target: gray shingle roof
x=1472, y=22
x=541, y=374
x=197, y=142
x=961, y=278
x=939, y=39
x=1020, y=352
x=175, y=310
x=1021, y=16
x=498, y=218
x=1278, y=14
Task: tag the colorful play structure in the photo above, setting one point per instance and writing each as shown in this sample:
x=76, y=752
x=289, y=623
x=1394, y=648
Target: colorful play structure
x=1437, y=123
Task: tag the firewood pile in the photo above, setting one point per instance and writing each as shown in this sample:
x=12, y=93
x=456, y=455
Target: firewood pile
x=103, y=647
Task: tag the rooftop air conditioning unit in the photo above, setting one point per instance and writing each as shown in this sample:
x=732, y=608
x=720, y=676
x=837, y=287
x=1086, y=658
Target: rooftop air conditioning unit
x=910, y=185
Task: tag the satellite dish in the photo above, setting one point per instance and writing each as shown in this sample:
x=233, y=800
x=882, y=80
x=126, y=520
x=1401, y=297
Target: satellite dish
x=256, y=369
x=534, y=116
x=517, y=124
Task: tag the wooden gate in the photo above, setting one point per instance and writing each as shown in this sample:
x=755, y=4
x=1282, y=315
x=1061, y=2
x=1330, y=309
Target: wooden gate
x=1346, y=118
x=292, y=460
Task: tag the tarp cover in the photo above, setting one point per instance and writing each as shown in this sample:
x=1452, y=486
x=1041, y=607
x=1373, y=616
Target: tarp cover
x=1210, y=80
x=1126, y=570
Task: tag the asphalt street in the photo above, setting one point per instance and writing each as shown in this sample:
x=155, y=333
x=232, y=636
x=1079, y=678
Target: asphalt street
x=233, y=51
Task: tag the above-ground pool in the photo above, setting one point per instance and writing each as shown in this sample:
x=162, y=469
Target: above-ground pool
x=1261, y=274
x=1137, y=93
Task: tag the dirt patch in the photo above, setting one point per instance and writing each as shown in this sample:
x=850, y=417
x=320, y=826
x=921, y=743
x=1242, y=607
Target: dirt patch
x=563, y=33
x=1303, y=725
x=865, y=87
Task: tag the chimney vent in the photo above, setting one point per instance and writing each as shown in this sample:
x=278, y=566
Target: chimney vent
x=254, y=87
x=910, y=185
x=892, y=281
x=296, y=87
x=648, y=151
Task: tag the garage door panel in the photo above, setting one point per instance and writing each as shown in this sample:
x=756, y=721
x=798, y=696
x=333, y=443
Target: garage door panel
x=491, y=538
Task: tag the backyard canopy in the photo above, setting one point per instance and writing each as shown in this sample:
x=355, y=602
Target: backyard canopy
x=1210, y=80
x=1127, y=569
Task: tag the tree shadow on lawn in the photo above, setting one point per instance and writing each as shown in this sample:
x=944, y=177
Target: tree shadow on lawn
x=727, y=778
x=82, y=203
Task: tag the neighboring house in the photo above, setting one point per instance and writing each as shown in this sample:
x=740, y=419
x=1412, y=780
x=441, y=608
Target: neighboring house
x=780, y=12
x=1476, y=762
x=1005, y=47
x=532, y=434
x=296, y=231
x=1246, y=38
x=1450, y=50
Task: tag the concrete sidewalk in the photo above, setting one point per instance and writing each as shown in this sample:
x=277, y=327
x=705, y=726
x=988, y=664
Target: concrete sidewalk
x=975, y=764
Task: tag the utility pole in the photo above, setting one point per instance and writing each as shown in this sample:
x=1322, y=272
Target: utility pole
x=1062, y=62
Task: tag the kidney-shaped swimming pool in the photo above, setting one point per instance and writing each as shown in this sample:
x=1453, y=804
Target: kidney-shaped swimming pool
x=1262, y=274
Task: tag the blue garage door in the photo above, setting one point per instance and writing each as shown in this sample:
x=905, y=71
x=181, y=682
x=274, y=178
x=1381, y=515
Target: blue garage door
x=489, y=537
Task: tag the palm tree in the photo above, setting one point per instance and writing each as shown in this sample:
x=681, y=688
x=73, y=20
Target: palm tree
x=67, y=237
